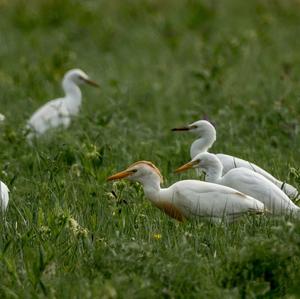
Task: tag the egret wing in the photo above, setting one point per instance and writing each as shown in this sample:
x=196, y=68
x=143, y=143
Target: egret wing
x=200, y=199
x=51, y=115
x=230, y=162
x=257, y=186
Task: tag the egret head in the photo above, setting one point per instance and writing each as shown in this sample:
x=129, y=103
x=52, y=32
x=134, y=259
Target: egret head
x=203, y=161
x=139, y=172
x=79, y=77
x=200, y=128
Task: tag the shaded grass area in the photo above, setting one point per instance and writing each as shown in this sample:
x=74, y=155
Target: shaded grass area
x=160, y=64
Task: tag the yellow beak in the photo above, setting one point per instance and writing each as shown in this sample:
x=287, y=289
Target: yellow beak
x=186, y=166
x=91, y=82
x=119, y=175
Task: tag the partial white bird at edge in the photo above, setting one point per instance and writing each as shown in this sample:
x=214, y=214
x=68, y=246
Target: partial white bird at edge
x=4, y=196
x=2, y=118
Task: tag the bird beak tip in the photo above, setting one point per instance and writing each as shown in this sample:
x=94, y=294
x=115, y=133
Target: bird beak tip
x=179, y=169
x=92, y=83
x=118, y=176
x=184, y=167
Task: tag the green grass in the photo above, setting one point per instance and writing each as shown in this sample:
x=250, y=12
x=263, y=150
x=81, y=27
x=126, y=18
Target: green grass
x=160, y=64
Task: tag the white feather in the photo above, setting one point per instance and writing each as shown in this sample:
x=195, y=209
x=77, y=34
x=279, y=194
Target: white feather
x=4, y=196
x=2, y=118
x=207, y=200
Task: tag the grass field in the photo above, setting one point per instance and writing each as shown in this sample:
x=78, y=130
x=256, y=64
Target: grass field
x=160, y=64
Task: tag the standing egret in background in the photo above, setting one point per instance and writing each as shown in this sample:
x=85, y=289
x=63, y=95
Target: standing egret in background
x=4, y=196
x=244, y=180
x=59, y=112
x=190, y=198
x=207, y=136
x=2, y=118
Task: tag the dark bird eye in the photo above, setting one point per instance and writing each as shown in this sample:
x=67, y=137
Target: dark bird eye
x=134, y=170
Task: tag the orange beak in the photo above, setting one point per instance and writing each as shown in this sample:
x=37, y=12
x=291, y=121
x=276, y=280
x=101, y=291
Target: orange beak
x=91, y=82
x=119, y=175
x=187, y=166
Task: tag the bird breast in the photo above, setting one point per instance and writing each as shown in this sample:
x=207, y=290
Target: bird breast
x=170, y=210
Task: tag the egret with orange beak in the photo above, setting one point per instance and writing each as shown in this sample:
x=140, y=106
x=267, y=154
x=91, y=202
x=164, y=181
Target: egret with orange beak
x=207, y=136
x=59, y=112
x=246, y=181
x=190, y=199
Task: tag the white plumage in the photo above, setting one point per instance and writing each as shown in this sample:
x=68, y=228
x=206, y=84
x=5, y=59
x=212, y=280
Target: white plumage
x=190, y=199
x=246, y=181
x=2, y=117
x=4, y=196
x=207, y=136
x=59, y=112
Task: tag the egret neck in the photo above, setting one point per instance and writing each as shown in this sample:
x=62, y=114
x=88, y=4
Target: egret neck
x=73, y=95
x=213, y=171
x=202, y=144
x=151, y=185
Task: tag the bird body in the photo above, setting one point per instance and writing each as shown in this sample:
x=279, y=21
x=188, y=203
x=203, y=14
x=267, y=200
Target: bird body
x=257, y=186
x=207, y=136
x=231, y=162
x=208, y=201
x=53, y=114
x=59, y=112
x=190, y=199
x=4, y=196
x=246, y=181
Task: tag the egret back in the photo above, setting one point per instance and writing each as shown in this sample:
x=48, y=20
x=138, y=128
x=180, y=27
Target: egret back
x=196, y=199
x=257, y=186
x=51, y=115
x=231, y=162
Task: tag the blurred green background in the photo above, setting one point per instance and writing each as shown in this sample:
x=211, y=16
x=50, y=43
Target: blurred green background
x=160, y=64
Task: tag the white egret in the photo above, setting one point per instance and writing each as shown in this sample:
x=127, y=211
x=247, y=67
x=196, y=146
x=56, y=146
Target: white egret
x=190, y=198
x=59, y=112
x=243, y=180
x=4, y=196
x=207, y=136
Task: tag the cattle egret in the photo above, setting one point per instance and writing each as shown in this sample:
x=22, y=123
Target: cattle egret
x=59, y=112
x=190, y=198
x=243, y=180
x=4, y=196
x=207, y=136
